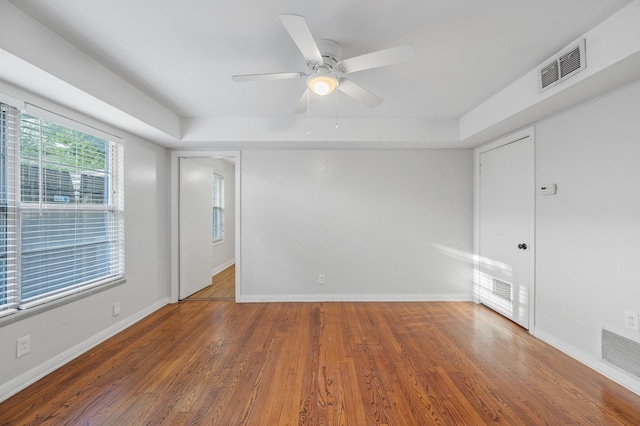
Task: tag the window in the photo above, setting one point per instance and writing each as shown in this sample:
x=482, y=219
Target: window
x=61, y=210
x=218, y=208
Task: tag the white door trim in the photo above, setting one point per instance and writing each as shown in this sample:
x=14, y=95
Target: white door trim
x=175, y=223
x=513, y=137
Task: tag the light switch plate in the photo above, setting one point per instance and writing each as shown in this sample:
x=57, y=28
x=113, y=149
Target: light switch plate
x=548, y=189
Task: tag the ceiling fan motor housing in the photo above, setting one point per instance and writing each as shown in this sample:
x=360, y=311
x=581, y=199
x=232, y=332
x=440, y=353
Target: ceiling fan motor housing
x=331, y=55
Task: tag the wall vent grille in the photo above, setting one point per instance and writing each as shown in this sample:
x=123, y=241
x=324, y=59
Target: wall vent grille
x=502, y=289
x=566, y=64
x=549, y=75
x=621, y=352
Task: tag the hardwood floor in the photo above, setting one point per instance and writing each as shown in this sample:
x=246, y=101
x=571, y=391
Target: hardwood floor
x=221, y=363
x=223, y=286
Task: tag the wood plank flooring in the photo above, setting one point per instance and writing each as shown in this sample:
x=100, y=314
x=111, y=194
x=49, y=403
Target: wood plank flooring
x=221, y=363
x=223, y=286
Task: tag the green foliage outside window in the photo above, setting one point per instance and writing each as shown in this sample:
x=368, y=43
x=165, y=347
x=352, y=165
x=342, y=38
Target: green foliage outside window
x=63, y=148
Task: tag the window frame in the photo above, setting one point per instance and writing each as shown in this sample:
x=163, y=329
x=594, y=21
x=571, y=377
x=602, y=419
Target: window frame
x=8, y=232
x=218, y=207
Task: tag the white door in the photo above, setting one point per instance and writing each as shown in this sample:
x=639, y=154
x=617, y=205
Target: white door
x=506, y=220
x=196, y=225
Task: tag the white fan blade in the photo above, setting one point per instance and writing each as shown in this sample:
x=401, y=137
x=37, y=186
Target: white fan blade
x=380, y=58
x=301, y=34
x=358, y=93
x=303, y=103
x=269, y=76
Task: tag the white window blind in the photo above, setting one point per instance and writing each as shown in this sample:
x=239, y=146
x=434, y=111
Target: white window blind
x=218, y=207
x=68, y=212
x=9, y=296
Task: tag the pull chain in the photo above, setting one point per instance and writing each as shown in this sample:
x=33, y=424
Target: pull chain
x=336, y=109
x=308, y=113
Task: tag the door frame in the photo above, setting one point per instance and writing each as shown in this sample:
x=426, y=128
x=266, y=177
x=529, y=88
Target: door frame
x=528, y=132
x=175, y=215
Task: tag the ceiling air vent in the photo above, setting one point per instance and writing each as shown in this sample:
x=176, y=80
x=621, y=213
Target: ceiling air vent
x=566, y=64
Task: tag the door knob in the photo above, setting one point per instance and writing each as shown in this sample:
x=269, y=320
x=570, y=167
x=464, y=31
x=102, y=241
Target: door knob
x=522, y=246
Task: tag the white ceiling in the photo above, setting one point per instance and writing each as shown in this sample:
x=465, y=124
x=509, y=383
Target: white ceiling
x=183, y=53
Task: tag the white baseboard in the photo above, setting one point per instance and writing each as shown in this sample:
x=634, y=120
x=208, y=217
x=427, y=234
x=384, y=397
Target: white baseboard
x=597, y=364
x=222, y=267
x=257, y=298
x=29, y=377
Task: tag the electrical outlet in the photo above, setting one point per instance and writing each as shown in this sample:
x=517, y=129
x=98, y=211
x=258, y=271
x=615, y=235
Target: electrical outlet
x=24, y=346
x=322, y=279
x=116, y=309
x=631, y=320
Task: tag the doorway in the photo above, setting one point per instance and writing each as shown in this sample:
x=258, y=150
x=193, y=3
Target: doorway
x=226, y=163
x=505, y=207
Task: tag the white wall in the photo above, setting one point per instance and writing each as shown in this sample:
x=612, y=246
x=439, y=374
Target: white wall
x=224, y=252
x=588, y=250
x=381, y=225
x=61, y=333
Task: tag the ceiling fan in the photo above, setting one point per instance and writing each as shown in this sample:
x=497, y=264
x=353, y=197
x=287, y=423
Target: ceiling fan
x=327, y=68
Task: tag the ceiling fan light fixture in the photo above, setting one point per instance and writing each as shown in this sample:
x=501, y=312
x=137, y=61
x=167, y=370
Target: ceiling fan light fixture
x=322, y=83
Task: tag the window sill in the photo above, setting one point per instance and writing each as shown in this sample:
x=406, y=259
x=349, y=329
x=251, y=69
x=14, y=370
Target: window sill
x=217, y=243
x=35, y=310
